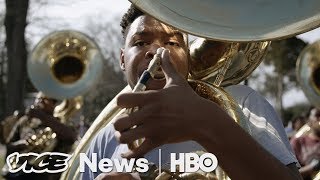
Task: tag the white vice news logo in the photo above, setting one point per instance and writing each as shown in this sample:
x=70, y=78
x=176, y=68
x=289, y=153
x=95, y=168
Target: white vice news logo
x=50, y=162
x=186, y=162
x=55, y=162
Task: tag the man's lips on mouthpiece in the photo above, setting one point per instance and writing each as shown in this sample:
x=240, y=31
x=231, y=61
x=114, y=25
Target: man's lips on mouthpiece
x=159, y=75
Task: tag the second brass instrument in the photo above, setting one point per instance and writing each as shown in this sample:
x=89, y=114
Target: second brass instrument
x=63, y=65
x=308, y=75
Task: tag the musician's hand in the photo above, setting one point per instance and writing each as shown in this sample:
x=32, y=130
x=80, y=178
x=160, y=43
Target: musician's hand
x=64, y=131
x=118, y=176
x=37, y=113
x=45, y=104
x=173, y=114
x=17, y=145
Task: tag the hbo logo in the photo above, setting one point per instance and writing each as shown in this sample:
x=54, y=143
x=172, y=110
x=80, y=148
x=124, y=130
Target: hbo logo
x=191, y=162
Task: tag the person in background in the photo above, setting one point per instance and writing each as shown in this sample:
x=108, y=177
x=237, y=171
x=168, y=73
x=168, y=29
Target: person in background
x=23, y=133
x=294, y=125
x=307, y=147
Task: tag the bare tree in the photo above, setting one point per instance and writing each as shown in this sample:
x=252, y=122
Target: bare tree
x=283, y=55
x=3, y=65
x=108, y=37
x=15, y=23
x=13, y=59
x=41, y=23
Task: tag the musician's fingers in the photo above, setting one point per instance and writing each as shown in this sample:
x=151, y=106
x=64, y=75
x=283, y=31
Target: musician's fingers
x=167, y=67
x=137, y=99
x=145, y=147
x=131, y=135
x=127, y=121
x=36, y=113
x=122, y=123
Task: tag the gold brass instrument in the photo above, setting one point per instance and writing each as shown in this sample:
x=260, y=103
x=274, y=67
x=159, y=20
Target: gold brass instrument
x=208, y=57
x=217, y=20
x=308, y=75
x=63, y=65
x=308, y=72
x=236, y=21
x=67, y=108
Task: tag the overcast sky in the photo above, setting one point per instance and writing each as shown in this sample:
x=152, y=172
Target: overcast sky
x=72, y=14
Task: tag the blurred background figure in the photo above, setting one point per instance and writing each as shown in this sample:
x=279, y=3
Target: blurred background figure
x=294, y=125
x=37, y=130
x=307, y=146
x=298, y=122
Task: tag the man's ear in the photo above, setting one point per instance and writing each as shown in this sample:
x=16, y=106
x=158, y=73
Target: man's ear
x=122, y=64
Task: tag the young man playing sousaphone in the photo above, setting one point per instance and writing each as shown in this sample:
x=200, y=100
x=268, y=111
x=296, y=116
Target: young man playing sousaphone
x=173, y=118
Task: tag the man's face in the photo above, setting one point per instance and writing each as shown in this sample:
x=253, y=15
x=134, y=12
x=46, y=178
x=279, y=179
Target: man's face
x=46, y=104
x=315, y=118
x=145, y=35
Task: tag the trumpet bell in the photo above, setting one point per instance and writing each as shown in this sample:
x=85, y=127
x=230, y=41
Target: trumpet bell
x=308, y=72
x=65, y=64
x=235, y=20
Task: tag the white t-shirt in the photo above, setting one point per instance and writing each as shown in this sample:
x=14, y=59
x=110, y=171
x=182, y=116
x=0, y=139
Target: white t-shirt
x=265, y=127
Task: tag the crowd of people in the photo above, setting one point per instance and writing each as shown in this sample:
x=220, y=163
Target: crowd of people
x=304, y=134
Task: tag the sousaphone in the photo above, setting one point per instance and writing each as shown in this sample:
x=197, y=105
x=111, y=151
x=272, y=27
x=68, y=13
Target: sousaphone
x=236, y=21
x=246, y=27
x=308, y=75
x=63, y=65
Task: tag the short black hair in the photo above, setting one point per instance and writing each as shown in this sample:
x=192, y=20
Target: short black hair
x=127, y=19
x=298, y=118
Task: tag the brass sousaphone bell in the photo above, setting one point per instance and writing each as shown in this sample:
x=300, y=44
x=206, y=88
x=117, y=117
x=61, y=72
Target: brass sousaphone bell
x=308, y=72
x=236, y=21
x=65, y=64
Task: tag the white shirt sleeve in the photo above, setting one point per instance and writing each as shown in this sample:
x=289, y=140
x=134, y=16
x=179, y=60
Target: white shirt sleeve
x=104, y=145
x=265, y=125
